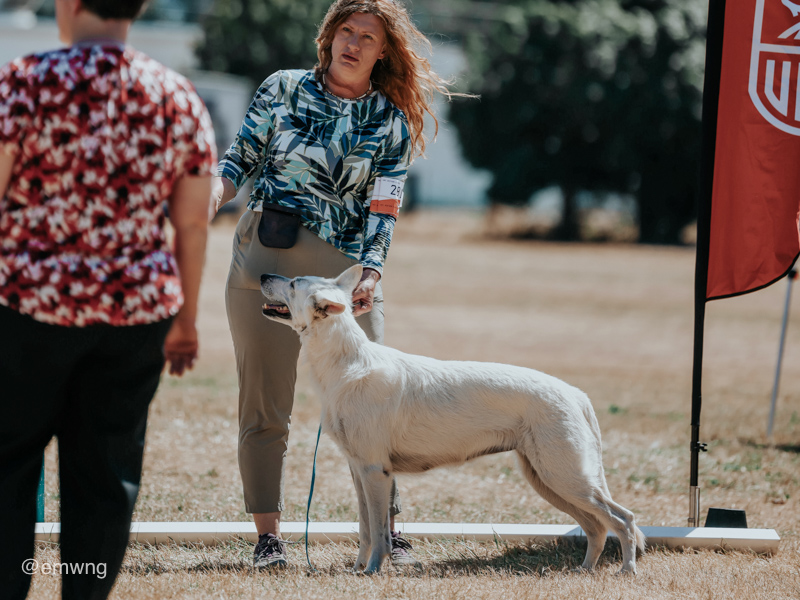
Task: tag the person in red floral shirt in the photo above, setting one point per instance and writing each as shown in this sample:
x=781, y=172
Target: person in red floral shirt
x=96, y=141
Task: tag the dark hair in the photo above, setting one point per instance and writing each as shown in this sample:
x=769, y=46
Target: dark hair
x=115, y=9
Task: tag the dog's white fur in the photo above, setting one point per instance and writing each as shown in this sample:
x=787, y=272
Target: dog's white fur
x=392, y=412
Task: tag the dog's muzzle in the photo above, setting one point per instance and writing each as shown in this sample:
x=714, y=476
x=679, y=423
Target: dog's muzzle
x=280, y=311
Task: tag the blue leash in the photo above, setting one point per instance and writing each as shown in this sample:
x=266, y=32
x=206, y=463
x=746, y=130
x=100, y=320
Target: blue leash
x=311, y=492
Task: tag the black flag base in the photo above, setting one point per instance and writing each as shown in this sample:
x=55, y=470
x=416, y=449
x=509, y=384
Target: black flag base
x=726, y=517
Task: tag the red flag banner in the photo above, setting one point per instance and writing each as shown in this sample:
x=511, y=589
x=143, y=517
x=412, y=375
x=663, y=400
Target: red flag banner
x=755, y=204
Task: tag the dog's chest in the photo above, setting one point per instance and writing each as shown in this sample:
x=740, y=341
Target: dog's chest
x=335, y=426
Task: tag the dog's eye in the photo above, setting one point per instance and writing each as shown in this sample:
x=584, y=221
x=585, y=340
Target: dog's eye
x=291, y=284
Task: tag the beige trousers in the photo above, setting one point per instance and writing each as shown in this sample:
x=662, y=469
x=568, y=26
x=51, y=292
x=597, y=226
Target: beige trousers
x=267, y=353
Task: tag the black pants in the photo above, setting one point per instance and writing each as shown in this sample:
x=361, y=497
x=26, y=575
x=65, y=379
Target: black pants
x=90, y=387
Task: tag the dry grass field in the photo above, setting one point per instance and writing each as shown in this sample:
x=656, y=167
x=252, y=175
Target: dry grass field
x=615, y=320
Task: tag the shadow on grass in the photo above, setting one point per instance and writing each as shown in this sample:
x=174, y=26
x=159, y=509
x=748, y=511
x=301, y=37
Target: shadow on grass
x=453, y=559
x=788, y=448
x=540, y=560
x=233, y=557
x=196, y=566
x=793, y=448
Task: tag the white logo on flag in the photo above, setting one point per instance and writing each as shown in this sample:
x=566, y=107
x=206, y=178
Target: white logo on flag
x=775, y=64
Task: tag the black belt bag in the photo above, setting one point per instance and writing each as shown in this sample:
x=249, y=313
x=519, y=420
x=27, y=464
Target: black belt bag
x=278, y=226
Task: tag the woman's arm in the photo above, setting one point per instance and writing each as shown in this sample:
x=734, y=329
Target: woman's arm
x=385, y=194
x=17, y=104
x=6, y=166
x=222, y=192
x=188, y=212
x=365, y=291
x=246, y=153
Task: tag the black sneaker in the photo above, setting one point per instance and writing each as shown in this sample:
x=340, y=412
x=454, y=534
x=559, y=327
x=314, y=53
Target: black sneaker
x=401, y=551
x=270, y=552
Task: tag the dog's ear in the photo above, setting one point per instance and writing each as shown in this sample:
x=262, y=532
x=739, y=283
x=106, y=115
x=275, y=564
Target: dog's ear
x=350, y=278
x=325, y=307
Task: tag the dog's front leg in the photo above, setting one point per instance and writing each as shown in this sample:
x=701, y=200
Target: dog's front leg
x=363, y=520
x=377, y=484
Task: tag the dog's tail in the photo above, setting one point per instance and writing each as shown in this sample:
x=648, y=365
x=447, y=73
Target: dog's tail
x=591, y=419
x=641, y=539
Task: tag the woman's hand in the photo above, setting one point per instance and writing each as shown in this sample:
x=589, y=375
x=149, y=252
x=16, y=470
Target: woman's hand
x=365, y=291
x=222, y=192
x=180, y=346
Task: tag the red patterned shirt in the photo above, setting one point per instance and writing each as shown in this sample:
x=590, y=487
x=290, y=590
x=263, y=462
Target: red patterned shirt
x=100, y=133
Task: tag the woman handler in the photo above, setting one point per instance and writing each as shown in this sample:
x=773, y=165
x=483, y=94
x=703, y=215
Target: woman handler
x=330, y=149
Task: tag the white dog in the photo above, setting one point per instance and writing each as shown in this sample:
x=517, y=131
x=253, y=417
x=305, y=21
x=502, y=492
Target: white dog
x=392, y=412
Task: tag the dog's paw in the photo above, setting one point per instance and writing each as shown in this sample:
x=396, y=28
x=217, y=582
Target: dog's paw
x=581, y=570
x=358, y=567
x=372, y=568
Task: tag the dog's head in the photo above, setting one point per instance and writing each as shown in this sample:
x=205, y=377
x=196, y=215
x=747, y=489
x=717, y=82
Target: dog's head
x=301, y=301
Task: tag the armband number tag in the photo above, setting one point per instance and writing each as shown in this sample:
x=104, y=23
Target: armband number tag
x=388, y=188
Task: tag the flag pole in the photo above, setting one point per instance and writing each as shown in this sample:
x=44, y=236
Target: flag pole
x=771, y=421
x=716, y=25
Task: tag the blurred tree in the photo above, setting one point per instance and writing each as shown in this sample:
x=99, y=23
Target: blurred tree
x=600, y=95
x=155, y=10
x=177, y=10
x=255, y=38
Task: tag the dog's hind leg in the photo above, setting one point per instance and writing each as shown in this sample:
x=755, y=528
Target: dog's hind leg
x=595, y=531
x=588, y=492
x=363, y=522
x=621, y=521
x=376, y=481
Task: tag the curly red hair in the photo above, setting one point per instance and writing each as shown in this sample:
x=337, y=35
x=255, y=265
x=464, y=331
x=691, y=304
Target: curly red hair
x=404, y=76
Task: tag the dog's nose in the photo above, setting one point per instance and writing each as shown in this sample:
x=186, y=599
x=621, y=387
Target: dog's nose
x=264, y=278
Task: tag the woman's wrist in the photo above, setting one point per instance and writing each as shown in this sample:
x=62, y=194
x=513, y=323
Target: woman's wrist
x=370, y=273
x=223, y=190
